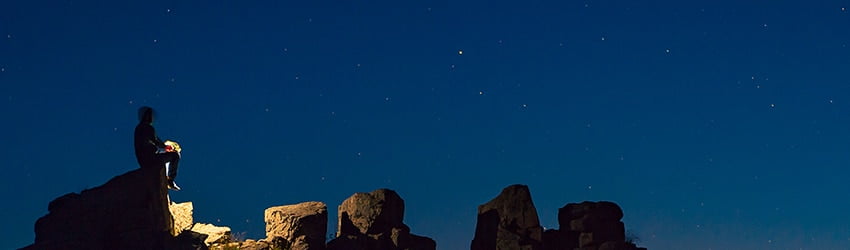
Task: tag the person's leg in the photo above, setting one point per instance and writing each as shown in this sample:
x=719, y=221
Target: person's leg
x=173, y=158
x=170, y=160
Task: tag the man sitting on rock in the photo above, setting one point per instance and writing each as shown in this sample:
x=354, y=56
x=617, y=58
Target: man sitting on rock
x=151, y=151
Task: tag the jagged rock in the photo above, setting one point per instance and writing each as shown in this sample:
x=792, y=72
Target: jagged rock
x=184, y=224
x=182, y=214
x=215, y=234
x=374, y=221
x=589, y=226
x=130, y=211
x=508, y=221
x=302, y=225
x=370, y=213
x=587, y=213
x=597, y=222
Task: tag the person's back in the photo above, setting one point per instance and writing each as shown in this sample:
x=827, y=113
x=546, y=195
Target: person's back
x=148, y=146
x=146, y=142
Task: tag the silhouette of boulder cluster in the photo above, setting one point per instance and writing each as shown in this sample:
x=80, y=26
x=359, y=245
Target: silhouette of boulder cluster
x=133, y=211
x=510, y=221
x=374, y=221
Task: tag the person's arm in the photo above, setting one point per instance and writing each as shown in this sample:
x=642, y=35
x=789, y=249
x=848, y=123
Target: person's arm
x=151, y=138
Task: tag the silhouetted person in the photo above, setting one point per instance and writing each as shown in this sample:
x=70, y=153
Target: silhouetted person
x=150, y=150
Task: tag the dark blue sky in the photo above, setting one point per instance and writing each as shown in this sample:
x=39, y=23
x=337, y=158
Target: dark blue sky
x=714, y=124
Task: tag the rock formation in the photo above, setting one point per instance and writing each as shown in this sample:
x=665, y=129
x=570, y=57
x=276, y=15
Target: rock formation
x=182, y=215
x=130, y=211
x=591, y=225
x=302, y=225
x=184, y=223
x=508, y=221
x=374, y=221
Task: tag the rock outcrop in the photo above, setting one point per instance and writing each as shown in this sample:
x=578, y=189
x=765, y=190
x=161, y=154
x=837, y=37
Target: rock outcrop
x=374, y=221
x=133, y=211
x=302, y=225
x=508, y=221
x=590, y=225
x=182, y=215
x=130, y=211
x=184, y=223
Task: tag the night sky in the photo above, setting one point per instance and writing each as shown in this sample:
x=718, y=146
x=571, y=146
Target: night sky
x=713, y=124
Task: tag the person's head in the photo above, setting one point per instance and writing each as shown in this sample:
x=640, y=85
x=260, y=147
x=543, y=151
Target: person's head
x=146, y=115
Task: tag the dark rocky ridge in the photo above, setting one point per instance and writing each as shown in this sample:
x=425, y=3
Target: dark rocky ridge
x=510, y=221
x=131, y=211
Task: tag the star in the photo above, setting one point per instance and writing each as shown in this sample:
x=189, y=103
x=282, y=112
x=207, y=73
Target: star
x=460, y=52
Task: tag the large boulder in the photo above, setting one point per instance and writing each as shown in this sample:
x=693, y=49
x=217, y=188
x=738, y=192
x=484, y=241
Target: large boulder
x=508, y=221
x=130, y=211
x=596, y=222
x=182, y=214
x=370, y=213
x=303, y=225
x=589, y=225
x=374, y=220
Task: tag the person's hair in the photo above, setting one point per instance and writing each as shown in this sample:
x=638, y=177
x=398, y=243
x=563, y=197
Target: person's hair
x=146, y=114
